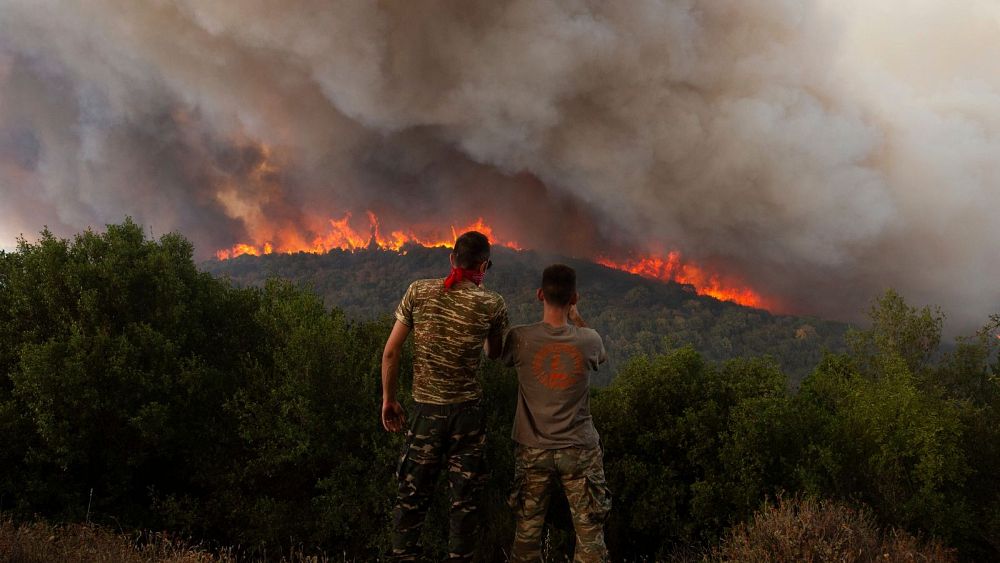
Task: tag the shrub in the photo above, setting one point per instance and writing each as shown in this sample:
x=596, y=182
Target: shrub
x=40, y=542
x=805, y=529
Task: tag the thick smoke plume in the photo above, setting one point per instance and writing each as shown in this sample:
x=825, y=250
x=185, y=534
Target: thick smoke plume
x=818, y=150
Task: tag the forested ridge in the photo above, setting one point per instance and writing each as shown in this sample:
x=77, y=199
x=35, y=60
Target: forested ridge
x=635, y=315
x=248, y=416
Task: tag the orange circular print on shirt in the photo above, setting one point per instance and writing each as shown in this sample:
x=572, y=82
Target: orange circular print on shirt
x=557, y=365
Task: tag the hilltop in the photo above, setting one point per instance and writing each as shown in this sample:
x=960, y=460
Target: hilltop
x=636, y=315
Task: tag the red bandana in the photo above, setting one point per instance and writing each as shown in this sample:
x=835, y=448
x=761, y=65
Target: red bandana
x=459, y=274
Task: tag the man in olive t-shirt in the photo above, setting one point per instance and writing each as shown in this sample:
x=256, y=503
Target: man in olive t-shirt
x=555, y=434
x=451, y=319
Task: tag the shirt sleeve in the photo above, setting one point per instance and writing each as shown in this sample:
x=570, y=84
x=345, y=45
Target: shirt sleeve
x=499, y=323
x=404, y=312
x=602, y=354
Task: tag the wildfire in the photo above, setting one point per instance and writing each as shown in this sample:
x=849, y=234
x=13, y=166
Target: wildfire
x=341, y=235
x=674, y=268
x=260, y=188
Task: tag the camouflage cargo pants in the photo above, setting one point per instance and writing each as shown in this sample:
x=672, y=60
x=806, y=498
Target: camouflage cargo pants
x=440, y=434
x=581, y=473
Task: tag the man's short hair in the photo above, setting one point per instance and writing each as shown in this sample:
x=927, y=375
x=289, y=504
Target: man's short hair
x=471, y=249
x=559, y=284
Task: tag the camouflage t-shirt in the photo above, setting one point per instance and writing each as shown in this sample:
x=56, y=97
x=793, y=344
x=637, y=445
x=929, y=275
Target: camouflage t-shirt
x=449, y=328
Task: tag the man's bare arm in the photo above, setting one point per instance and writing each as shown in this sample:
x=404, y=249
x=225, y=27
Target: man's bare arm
x=575, y=318
x=393, y=417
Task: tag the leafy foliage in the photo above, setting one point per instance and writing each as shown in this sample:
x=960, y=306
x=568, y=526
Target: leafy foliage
x=183, y=402
x=694, y=447
x=249, y=416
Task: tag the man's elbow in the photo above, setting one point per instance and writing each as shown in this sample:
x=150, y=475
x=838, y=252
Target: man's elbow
x=390, y=354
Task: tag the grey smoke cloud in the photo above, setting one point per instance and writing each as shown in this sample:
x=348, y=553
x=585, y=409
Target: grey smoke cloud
x=819, y=150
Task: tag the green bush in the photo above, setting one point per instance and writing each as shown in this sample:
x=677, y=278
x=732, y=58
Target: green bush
x=250, y=417
x=667, y=424
x=235, y=414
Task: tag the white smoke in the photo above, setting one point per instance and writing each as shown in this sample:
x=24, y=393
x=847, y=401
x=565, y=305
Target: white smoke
x=822, y=150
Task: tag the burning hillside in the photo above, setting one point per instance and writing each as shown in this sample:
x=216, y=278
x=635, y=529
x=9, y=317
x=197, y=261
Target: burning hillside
x=342, y=235
x=259, y=195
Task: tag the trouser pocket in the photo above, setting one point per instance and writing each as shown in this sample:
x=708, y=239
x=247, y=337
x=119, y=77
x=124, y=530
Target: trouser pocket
x=598, y=494
x=598, y=497
x=516, y=494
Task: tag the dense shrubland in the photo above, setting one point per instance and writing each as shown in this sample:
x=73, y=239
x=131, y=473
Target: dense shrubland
x=248, y=417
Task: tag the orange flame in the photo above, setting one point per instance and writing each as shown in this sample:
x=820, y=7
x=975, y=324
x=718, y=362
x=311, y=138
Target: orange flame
x=675, y=269
x=239, y=250
x=341, y=235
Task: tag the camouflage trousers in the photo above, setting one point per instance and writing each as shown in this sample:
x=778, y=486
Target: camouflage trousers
x=580, y=471
x=440, y=434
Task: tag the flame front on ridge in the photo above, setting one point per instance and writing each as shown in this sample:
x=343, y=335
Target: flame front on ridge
x=341, y=235
x=673, y=268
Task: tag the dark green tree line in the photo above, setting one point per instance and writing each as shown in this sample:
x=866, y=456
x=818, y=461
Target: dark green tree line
x=694, y=447
x=249, y=416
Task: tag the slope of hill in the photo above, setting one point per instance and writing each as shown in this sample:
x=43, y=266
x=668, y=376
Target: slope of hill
x=634, y=314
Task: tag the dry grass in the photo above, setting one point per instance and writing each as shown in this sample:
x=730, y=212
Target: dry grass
x=797, y=530
x=39, y=542
x=803, y=529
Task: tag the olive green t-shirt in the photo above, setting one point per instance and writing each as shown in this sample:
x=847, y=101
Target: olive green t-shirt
x=553, y=372
x=449, y=327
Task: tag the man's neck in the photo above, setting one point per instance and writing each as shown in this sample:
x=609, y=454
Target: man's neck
x=555, y=316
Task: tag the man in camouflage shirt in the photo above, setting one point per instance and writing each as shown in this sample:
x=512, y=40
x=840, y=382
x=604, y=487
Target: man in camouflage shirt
x=555, y=434
x=451, y=319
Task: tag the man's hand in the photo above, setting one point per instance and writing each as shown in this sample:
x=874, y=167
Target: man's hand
x=393, y=416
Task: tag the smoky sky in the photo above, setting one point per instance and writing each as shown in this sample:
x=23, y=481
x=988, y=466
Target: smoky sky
x=820, y=151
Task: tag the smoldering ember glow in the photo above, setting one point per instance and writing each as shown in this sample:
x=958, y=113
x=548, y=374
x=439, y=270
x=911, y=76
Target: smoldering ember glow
x=816, y=151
